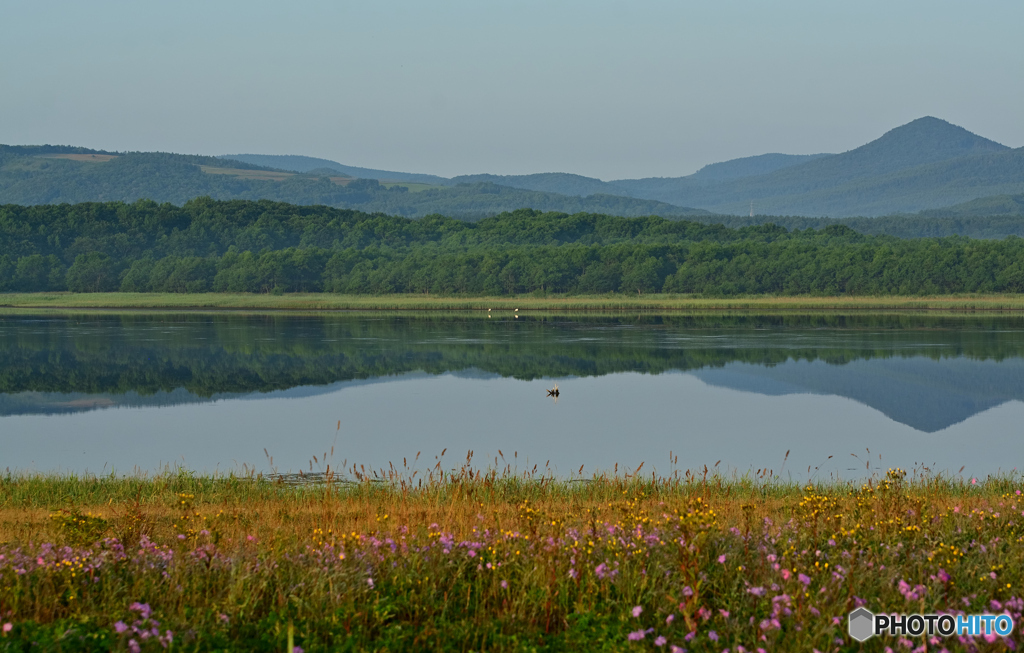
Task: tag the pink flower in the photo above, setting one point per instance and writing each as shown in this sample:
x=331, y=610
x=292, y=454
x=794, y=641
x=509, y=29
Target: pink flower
x=637, y=610
x=687, y=591
x=974, y=481
x=724, y=613
x=504, y=584
x=661, y=641
x=786, y=574
x=119, y=627
x=637, y=635
x=669, y=619
x=721, y=559
x=713, y=636
x=8, y=626
x=806, y=580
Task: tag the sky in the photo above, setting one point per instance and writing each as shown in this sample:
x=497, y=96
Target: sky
x=607, y=89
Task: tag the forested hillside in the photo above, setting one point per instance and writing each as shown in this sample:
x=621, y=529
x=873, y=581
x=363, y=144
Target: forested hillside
x=243, y=246
x=45, y=175
x=309, y=163
x=925, y=164
x=990, y=217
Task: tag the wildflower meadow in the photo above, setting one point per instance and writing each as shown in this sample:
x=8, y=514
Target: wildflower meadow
x=477, y=560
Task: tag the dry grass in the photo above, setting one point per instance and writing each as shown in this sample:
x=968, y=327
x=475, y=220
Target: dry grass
x=476, y=560
x=413, y=187
x=243, y=173
x=91, y=158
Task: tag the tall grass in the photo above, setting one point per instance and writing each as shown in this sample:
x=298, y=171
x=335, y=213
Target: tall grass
x=472, y=559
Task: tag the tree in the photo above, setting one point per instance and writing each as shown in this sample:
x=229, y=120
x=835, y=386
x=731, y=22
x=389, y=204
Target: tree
x=92, y=272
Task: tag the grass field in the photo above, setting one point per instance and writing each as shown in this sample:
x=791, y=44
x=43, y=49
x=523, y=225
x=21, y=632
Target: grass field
x=471, y=560
x=247, y=174
x=306, y=302
x=412, y=186
x=266, y=175
x=91, y=158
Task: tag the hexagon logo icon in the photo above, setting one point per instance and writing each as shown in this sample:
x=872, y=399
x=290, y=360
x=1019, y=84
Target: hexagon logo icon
x=861, y=625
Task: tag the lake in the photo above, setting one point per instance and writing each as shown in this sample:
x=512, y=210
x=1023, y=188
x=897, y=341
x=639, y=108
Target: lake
x=845, y=395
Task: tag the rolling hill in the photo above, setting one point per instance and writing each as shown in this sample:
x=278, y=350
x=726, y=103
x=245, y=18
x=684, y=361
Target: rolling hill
x=63, y=175
x=751, y=166
x=295, y=163
x=926, y=165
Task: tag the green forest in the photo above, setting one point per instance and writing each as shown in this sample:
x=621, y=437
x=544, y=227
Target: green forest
x=268, y=247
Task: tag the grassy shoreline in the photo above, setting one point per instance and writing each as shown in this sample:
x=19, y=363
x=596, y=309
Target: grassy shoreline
x=331, y=302
x=481, y=560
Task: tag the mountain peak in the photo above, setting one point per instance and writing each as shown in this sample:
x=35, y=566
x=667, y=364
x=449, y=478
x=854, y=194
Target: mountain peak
x=930, y=139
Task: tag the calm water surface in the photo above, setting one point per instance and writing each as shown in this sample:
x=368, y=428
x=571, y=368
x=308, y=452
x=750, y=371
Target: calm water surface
x=846, y=395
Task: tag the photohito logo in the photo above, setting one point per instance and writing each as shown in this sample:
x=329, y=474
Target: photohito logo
x=863, y=624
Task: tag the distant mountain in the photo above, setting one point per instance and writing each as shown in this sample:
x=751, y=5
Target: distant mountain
x=751, y=166
x=568, y=184
x=981, y=207
x=925, y=164
x=548, y=182
x=31, y=176
x=562, y=183
x=308, y=164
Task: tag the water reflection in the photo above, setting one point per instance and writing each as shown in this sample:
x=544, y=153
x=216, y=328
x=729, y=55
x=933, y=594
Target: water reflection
x=217, y=388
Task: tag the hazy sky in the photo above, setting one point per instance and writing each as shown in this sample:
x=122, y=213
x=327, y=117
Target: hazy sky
x=605, y=89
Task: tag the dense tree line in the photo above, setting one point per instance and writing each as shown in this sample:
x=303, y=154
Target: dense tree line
x=242, y=246
x=928, y=224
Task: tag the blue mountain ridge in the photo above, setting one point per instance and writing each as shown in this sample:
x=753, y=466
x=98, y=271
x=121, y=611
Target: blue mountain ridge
x=925, y=164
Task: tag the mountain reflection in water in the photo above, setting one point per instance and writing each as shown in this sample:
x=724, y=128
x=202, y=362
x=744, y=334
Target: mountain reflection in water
x=925, y=371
